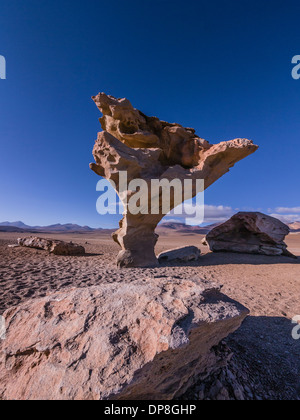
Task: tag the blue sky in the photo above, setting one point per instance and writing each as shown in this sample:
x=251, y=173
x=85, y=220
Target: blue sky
x=222, y=67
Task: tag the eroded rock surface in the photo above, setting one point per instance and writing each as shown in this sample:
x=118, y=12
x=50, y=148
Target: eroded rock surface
x=185, y=254
x=250, y=233
x=148, y=149
x=52, y=246
x=143, y=340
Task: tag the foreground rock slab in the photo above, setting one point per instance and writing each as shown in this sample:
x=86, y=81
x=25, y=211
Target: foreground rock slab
x=52, y=246
x=148, y=149
x=143, y=340
x=185, y=254
x=250, y=233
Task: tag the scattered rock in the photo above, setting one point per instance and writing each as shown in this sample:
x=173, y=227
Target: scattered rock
x=150, y=149
x=250, y=233
x=143, y=340
x=52, y=246
x=188, y=253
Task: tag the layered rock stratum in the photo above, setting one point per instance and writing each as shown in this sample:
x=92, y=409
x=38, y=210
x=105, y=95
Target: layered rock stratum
x=147, y=148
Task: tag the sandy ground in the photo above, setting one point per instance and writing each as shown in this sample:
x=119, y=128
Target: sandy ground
x=268, y=286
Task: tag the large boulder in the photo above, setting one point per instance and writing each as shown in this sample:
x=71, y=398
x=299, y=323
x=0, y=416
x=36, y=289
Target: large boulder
x=52, y=246
x=185, y=254
x=250, y=233
x=149, y=149
x=142, y=340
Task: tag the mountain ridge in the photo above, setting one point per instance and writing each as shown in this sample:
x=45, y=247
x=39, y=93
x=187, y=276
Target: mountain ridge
x=58, y=227
x=163, y=228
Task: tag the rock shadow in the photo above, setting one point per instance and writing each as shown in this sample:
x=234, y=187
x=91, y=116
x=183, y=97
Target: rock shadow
x=224, y=258
x=265, y=349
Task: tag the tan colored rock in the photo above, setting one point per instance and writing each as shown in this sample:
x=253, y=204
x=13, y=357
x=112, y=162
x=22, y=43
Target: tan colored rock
x=52, y=246
x=148, y=148
x=250, y=233
x=143, y=340
x=185, y=254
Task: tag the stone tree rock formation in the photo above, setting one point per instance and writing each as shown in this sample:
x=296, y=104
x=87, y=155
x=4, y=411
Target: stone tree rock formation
x=52, y=246
x=148, y=149
x=250, y=233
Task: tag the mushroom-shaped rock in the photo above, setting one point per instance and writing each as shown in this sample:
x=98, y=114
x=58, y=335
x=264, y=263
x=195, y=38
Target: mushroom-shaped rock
x=149, y=149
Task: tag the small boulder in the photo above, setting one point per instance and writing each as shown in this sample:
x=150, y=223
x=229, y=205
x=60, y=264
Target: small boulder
x=188, y=253
x=250, y=233
x=52, y=246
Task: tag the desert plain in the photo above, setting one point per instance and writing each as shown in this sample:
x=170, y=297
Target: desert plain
x=268, y=286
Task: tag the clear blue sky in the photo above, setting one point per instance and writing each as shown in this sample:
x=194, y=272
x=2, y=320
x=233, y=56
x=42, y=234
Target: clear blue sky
x=222, y=67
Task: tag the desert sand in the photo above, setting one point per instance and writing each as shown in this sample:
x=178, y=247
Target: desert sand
x=268, y=286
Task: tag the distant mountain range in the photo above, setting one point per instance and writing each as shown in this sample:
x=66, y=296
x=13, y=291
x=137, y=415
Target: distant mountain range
x=204, y=230
x=66, y=228
x=164, y=228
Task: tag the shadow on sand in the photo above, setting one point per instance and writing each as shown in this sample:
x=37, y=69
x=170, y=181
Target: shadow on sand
x=224, y=258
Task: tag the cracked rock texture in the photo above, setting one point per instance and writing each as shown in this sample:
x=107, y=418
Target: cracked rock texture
x=143, y=340
x=149, y=149
x=250, y=233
